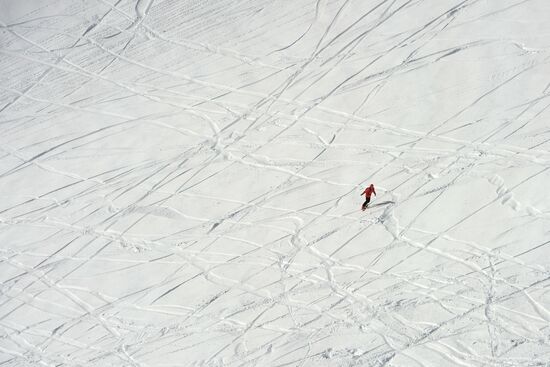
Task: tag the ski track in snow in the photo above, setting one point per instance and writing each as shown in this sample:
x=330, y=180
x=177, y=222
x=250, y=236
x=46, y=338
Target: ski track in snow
x=180, y=183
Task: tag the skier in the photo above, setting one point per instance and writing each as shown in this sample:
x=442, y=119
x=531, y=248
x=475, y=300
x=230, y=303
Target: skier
x=368, y=192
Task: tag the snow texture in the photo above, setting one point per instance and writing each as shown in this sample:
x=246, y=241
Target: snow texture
x=180, y=183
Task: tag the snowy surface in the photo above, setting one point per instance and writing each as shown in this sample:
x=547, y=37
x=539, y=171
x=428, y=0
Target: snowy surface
x=180, y=183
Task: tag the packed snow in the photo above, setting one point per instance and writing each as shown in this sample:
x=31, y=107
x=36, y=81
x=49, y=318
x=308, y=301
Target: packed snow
x=181, y=183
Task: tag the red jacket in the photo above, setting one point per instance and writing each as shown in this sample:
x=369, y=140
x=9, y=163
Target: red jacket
x=369, y=191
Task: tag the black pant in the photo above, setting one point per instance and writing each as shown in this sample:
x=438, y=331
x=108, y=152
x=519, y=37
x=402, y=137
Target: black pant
x=367, y=201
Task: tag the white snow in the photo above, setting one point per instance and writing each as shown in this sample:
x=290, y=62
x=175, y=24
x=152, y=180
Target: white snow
x=180, y=183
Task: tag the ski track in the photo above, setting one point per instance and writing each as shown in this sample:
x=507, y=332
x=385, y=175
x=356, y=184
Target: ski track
x=180, y=181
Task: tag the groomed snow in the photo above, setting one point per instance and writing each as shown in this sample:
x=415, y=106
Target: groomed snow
x=180, y=183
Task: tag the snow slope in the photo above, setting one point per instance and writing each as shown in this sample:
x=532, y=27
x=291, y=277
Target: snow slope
x=180, y=183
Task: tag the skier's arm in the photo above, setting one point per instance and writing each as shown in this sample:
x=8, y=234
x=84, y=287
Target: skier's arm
x=374, y=191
